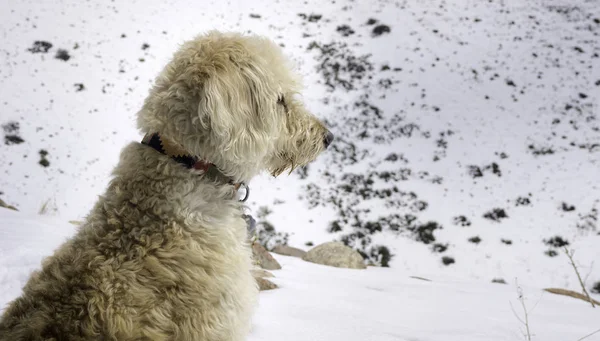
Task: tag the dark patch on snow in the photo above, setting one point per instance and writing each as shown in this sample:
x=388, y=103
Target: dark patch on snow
x=380, y=255
x=448, y=260
x=502, y=155
x=540, y=150
x=345, y=30
x=43, y=158
x=475, y=240
x=566, y=207
x=339, y=66
x=523, y=201
x=62, y=55
x=438, y=247
x=596, y=288
x=310, y=17
x=461, y=220
x=588, y=221
x=477, y=172
x=556, y=241
x=11, y=133
x=380, y=29
x=40, y=46
x=266, y=233
x=497, y=214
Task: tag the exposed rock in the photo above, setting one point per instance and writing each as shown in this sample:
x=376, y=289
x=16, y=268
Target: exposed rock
x=335, y=254
x=263, y=258
x=265, y=284
x=260, y=273
x=285, y=250
x=5, y=205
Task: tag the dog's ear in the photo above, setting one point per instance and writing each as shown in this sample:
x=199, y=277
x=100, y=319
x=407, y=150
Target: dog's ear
x=170, y=106
x=239, y=109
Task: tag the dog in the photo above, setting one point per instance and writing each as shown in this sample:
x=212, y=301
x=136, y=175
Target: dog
x=164, y=254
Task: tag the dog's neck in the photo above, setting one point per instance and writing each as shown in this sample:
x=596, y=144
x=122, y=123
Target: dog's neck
x=176, y=152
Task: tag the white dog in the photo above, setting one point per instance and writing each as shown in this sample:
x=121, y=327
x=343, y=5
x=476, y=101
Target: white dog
x=163, y=255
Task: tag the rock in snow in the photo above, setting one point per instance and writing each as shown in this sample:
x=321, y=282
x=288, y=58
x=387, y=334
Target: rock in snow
x=285, y=250
x=263, y=258
x=335, y=254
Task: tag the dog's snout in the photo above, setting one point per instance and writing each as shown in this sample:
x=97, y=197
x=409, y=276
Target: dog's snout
x=328, y=139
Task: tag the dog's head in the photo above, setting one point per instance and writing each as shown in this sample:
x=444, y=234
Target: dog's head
x=232, y=100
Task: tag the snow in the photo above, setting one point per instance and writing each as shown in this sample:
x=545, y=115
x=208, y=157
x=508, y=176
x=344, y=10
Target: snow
x=378, y=304
x=481, y=83
x=24, y=242
x=316, y=302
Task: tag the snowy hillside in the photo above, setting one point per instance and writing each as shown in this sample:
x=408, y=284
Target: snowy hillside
x=375, y=304
x=467, y=134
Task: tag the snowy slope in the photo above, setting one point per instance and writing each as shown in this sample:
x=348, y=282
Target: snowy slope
x=23, y=244
x=316, y=302
x=464, y=129
x=381, y=305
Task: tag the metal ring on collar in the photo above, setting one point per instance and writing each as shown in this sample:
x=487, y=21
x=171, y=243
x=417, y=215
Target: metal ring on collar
x=247, y=192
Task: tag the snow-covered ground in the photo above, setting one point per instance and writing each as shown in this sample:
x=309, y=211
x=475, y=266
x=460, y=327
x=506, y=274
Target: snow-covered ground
x=467, y=139
x=316, y=302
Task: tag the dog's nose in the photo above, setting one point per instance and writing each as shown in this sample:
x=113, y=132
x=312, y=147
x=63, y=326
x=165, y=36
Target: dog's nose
x=328, y=139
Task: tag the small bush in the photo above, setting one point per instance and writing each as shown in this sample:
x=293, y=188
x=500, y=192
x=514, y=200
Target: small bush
x=424, y=232
x=381, y=255
x=556, y=242
x=551, y=253
x=499, y=281
x=334, y=226
x=506, y=241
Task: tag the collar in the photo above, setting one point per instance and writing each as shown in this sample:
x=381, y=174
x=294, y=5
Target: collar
x=176, y=152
